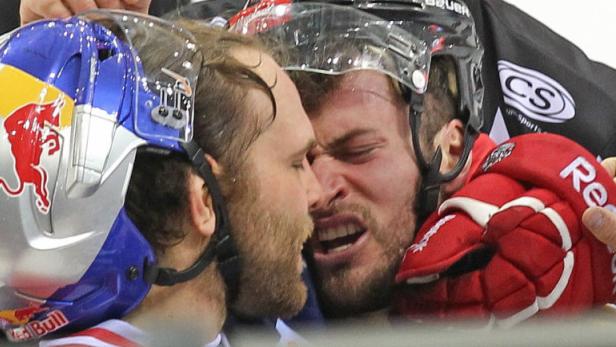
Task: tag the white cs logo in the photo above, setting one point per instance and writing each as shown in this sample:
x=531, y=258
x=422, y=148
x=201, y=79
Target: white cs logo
x=535, y=94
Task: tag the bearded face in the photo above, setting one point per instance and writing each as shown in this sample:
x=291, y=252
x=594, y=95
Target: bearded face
x=269, y=243
x=368, y=171
x=354, y=287
x=271, y=196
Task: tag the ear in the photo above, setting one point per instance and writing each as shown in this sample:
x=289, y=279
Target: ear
x=202, y=216
x=451, y=141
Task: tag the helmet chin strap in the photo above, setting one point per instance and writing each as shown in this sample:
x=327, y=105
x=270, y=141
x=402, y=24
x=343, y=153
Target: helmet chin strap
x=222, y=247
x=432, y=179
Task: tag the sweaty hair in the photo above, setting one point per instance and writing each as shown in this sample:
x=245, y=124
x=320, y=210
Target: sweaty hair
x=441, y=98
x=225, y=126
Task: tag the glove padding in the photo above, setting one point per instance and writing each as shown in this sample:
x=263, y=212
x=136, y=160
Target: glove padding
x=510, y=244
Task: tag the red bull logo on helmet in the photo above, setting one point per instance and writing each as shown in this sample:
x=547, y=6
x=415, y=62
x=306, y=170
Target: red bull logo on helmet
x=38, y=328
x=32, y=114
x=31, y=130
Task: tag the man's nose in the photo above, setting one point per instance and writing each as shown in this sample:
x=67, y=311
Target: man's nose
x=331, y=180
x=314, y=190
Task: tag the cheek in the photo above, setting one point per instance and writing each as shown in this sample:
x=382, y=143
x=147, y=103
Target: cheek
x=386, y=181
x=289, y=196
x=282, y=191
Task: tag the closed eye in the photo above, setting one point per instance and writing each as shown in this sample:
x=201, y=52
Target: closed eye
x=298, y=165
x=356, y=155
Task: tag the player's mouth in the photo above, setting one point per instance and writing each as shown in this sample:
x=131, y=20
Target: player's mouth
x=337, y=238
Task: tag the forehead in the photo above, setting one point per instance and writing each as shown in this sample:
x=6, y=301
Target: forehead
x=290, y=127
x=360, y=99
x=369, y=81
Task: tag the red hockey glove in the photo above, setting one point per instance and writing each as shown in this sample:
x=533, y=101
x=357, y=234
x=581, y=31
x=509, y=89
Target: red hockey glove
x=511, y=244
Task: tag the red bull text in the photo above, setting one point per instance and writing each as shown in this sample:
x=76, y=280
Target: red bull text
x=35, y=329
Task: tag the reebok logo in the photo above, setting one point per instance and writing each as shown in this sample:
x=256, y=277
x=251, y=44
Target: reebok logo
x=583, y=176
x=534, y=94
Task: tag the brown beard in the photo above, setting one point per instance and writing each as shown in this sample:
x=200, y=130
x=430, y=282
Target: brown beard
x=269, y=243
x=343, y=293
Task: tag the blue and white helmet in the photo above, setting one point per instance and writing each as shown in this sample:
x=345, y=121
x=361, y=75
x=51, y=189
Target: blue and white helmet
x=76, y=104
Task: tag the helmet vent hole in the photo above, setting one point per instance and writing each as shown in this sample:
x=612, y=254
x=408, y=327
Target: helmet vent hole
x=105, y=53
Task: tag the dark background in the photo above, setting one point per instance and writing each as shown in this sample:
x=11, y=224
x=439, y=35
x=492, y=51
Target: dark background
x=9, y=15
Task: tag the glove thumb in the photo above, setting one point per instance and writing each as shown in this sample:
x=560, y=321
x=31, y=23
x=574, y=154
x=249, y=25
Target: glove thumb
x=602, y=223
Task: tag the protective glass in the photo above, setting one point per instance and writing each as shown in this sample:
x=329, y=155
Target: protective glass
x=209, y=12
x=166, y=67
x=330, y=39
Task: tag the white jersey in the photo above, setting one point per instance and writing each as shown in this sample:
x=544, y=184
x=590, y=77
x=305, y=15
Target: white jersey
x=115, y=333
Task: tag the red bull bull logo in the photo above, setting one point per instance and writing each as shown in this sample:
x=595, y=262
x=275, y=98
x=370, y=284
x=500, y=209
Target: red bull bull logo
x=31, y=130
x=32, y=113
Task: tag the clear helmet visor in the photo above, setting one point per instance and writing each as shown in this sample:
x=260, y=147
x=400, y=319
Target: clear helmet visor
x=330, y=39
x=209, y=12
x=166, y=67
x=335, y=40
